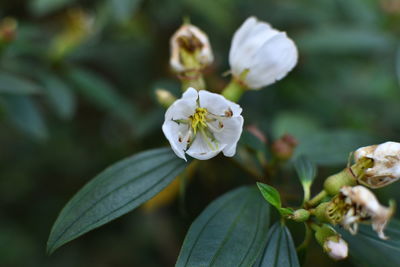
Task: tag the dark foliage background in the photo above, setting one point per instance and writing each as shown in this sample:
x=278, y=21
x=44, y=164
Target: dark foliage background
x=77, y=94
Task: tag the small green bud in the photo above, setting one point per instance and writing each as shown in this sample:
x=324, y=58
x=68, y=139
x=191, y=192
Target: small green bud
x=300, y=215
x=164, y=97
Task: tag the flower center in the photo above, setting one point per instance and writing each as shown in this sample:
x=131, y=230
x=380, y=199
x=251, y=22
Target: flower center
x=198, y=119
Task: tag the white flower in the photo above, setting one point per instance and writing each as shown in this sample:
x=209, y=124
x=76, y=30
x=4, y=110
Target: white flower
x=190, y=41
x=386, y=164
x=363, y=206
x=202, y=124
x=336, y=248
x=260, y=54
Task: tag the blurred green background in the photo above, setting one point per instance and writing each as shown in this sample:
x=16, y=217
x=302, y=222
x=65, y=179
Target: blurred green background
x=77, y=82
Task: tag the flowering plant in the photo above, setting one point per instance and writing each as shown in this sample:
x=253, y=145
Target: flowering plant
x=234, y=229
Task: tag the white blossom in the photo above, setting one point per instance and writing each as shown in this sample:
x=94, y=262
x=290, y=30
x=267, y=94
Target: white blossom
x=336, y=248
x=193, y=42
x=386, y=164
x=363, y=206
x=260, y=54
x=202, y=124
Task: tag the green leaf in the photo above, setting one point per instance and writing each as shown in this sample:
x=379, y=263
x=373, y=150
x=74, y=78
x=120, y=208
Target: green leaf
x=321, y=146
x=231, y=231
x=270, y=194
x=123, y=10
x=16, y=85
x=43, y=7
x=367, y=249
x=115, y=191
x=59, y=95
x=280, y=250
x=306, y=170
x=101, y=93
x=285, y=211
x=25, y=115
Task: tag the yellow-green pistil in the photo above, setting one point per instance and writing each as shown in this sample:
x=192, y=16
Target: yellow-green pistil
x=198, y=119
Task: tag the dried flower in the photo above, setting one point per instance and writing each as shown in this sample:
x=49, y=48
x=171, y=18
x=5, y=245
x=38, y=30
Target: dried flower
x=362, y=205
x=386, y=164
x=202, y=124
x=190, y=49
x=261, y=55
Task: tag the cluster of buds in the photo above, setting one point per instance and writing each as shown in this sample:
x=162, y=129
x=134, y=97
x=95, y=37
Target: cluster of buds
x=351, y=202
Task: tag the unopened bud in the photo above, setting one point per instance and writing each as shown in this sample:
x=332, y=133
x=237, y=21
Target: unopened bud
x=165, y=98
x=284, y=147
x=331, y=241
x=190, y=49
x=300, y=215
x=336, y=248
x=385, y=168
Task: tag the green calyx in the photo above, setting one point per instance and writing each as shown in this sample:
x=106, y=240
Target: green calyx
x=324, y=233
x=334, y=182
x=347, y=177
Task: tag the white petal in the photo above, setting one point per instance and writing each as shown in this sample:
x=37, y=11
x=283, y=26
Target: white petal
x=217, y=104
x=200, y=150
x=230, y=135
x=190, y=94
x=172, y=132
x=183, y=108
x=247, y=40
x=272, y=62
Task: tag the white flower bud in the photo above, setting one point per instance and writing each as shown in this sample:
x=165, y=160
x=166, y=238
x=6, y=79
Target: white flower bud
x=261, y=55
x=202, y=124
x=363, y=205
x=336, y=248
x=190, y=49
x=386, y=164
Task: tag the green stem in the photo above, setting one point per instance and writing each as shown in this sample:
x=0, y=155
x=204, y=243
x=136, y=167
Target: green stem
x=194, y=80
x=233, y=91
x=317, y=199
x=307, y=192
x=307, y=239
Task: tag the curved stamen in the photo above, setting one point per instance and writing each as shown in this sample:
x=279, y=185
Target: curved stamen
x=214, y=129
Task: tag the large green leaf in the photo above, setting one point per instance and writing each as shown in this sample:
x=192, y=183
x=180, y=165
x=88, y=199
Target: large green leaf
x=366, y=249
x=280, y=250
x=43, y=7
x=101, y=93
x=59, y=95
x=115, y=191
x=16, y=85
x=23, y=112
x=231, y=231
